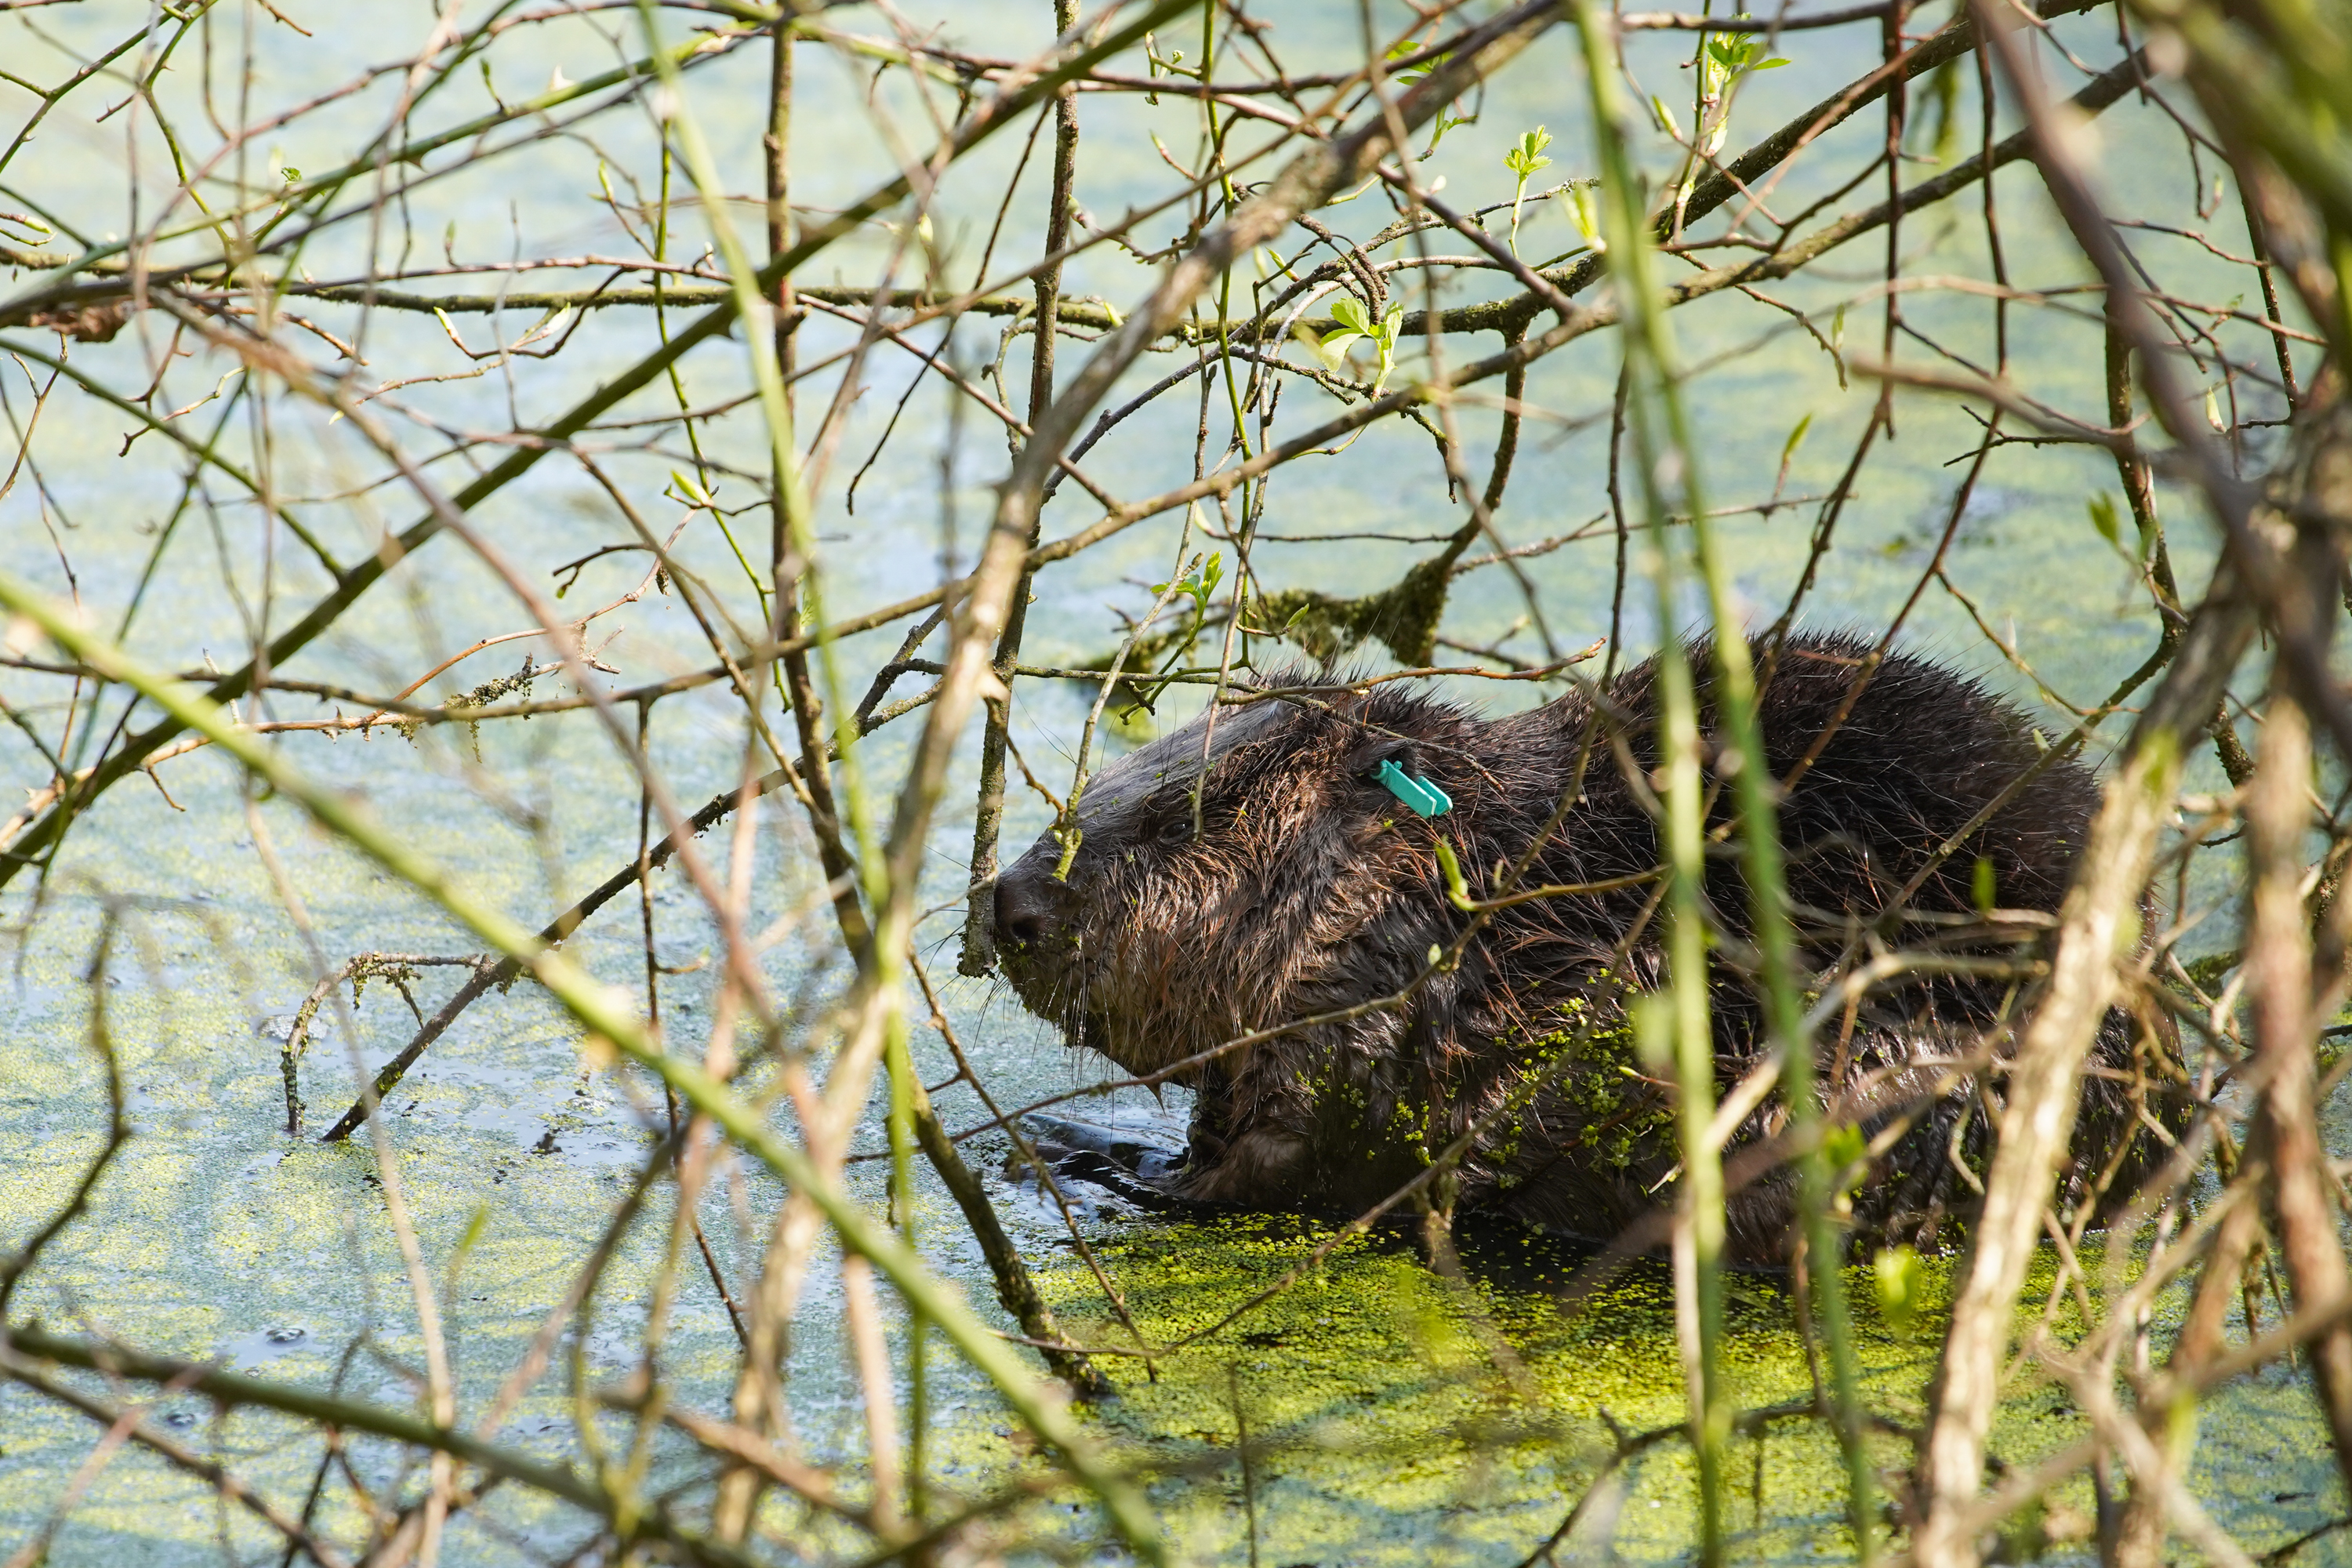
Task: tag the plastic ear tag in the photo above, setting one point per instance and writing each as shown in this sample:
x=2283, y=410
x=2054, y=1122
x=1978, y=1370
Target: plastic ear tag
x=1426, y=798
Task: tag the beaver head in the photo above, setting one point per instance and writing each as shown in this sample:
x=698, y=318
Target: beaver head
x=1303, y=884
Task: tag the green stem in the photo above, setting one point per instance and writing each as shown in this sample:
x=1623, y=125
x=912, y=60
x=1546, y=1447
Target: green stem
x=904, y=1087
x=753, y=305
x=1632, y=257
x=1648, y=357
x=1213, y=148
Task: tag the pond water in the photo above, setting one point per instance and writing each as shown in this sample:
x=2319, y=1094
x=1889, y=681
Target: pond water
x=1387, y=1424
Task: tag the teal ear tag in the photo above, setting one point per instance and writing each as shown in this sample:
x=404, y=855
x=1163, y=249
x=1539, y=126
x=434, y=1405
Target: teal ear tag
x=1426, y=798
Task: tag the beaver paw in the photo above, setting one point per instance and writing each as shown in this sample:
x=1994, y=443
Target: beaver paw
x=1122, y=1160
x=1265, y=1168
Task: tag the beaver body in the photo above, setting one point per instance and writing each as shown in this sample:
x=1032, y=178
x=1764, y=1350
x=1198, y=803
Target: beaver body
x=1310, y=889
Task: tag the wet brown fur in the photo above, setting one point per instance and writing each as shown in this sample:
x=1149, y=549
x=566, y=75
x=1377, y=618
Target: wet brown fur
x=1310, y=889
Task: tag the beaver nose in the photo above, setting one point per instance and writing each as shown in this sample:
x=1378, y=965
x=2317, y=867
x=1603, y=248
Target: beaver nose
x=1024, y=910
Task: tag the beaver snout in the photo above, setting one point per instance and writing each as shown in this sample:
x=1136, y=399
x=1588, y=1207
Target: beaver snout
x=1029, y=907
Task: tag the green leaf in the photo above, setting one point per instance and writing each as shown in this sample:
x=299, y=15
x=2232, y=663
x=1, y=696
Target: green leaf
x=1653, y=1031
x=1456, y=893
x=1332, y=347
x=1199, y=582
x=1528, y=157
x=467, y=1242
x=1902, y=1281
x=1732, y=52
x=1411, y=74
x=1980, y=886
x=1845, y=1149
x=1775, y=63
x=1384, y=337
x=1584, y=207
x=2103, y=517
x=1447, y=122
x=1796, y=439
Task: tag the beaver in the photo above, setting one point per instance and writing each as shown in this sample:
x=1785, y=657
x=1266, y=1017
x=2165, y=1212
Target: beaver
x=1310, y=887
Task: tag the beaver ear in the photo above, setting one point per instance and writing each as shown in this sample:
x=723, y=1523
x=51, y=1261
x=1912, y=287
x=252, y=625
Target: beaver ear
x=1365, y=760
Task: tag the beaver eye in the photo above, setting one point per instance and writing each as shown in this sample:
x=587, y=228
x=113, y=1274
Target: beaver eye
x=1176, y=830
